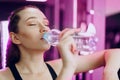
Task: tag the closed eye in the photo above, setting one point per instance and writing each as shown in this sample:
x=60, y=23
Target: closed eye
x=47, y=25
x=32, y=24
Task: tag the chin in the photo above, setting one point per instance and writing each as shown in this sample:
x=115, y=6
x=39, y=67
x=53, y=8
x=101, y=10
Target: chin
x=46, y=47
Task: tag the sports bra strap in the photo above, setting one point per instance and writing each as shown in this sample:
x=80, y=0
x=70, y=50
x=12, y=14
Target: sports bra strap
x=52, y=72
x=119, y=73
x=18, y=77
x=15, y=72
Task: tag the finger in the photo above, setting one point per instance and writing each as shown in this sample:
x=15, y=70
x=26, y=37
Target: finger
x=62, y=32
x=74, y=48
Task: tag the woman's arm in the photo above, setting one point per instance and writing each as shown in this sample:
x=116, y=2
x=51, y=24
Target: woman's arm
x=66, y=73
x=109, y=58
x=91, y=61
x=67, y=52
x=67, y=48
x=112, y=58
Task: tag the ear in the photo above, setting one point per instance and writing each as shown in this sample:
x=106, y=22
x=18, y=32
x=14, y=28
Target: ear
x=14, y=37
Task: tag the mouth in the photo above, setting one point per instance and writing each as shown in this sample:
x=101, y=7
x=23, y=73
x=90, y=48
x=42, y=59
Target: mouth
x=41, y=38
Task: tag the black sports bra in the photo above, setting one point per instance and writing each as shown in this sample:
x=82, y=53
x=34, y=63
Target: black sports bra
x=119, y=73
x=18, y=77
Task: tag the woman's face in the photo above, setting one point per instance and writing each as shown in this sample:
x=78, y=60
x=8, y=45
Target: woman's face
x=32, y=26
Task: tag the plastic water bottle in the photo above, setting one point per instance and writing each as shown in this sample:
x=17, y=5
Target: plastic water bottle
x=85, y=42
x=52, y=37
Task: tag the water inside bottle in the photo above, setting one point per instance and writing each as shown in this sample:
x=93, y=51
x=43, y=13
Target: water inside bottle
x=84, y=42
x=52, y=37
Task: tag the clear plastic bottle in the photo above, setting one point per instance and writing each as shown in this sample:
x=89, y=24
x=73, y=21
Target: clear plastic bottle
x=85, y=42
x=52, y=37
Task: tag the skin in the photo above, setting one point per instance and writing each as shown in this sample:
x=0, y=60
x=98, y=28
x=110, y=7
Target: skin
x=32, y=66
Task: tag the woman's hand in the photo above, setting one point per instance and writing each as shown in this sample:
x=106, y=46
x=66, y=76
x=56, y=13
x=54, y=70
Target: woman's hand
x=68, y=52
x=67, y=48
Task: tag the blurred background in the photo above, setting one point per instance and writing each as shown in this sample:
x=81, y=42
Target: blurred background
x=103, y=14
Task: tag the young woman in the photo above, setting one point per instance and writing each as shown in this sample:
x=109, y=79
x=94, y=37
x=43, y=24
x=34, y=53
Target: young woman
x=26, y=48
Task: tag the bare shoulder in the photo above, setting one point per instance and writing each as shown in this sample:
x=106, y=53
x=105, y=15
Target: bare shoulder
x=5, y=74
x=117, y=50
x=113, y=53
x=56, y=64
x=112, y=57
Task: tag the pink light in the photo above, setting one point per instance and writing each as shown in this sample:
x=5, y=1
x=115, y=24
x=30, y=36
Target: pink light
x=92, y=12
x=74, y=13
x=37, y=0
x=91, y=28
x=4, y=36
x=91, y=71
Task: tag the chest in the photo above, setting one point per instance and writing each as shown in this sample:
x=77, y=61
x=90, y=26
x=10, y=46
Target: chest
x=42, y=76
x=46, y=74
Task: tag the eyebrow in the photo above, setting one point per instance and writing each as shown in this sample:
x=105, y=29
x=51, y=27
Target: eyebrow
x=45, y=18
x=30, y=18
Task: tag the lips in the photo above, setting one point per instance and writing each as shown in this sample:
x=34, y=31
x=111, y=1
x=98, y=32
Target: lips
x=41, y=38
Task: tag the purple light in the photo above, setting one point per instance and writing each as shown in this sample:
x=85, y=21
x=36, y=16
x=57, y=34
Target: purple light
x=37, y=0
x=4, y=39
x=74, y=13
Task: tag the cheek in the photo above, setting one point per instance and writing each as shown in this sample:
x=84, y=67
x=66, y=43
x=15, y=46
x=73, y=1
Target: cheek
x=27, y=37
x=29, y=33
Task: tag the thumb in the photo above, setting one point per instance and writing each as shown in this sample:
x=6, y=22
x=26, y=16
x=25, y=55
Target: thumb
x=74, y=49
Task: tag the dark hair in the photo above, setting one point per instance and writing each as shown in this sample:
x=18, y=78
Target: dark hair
x=13, y=53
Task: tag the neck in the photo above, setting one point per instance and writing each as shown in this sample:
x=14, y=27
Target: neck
x=32, y=62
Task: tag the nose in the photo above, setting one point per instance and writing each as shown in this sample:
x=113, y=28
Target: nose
x=44, y=29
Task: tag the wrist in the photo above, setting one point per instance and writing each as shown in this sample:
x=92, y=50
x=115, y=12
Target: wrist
x=66, y=74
